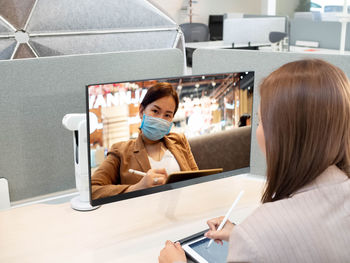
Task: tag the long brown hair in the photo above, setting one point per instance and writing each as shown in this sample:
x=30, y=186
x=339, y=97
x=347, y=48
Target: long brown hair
x=305, y=112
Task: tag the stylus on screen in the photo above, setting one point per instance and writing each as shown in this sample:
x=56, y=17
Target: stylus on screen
x=132, y=171
x=227, y=215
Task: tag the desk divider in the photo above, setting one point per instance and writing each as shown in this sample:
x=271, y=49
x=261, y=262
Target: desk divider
x=263, y=63
x=326, y=33
x=36, y=150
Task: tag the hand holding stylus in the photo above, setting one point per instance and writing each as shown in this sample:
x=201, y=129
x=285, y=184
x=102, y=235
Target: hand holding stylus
x=221, y=227
x=153, y=177
x=219, y=235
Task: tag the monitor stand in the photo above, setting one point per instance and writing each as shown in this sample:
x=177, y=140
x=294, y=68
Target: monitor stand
x=77, y=124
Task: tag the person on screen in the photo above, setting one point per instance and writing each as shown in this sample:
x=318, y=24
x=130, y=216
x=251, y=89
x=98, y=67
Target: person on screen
x=155, y=152
x=244, y=120
x=304, y=132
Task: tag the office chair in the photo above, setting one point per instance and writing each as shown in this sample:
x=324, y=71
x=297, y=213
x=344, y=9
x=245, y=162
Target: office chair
x=194, y=32
x=279, y=41
x=275, y=36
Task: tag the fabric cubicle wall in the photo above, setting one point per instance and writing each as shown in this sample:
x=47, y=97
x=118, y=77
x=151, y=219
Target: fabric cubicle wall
x=326, y=33
x=263, y=63
x=37, y=151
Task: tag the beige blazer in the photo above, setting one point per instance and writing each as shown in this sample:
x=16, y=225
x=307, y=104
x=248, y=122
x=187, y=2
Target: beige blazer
x=311, y=226
x=112, y=176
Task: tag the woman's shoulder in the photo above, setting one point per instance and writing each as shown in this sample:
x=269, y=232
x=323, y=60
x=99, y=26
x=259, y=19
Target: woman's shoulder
x=176, y=138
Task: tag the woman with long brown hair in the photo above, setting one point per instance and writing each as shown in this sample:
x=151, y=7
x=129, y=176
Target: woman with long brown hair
x=304, y=132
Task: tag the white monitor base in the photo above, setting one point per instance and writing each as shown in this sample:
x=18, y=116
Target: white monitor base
x=79, y=205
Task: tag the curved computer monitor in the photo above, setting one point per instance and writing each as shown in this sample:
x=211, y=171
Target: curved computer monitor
x=214, y=113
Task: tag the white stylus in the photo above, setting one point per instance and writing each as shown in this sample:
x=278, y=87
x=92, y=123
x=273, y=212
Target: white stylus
x=137, y=172
x=223, y=222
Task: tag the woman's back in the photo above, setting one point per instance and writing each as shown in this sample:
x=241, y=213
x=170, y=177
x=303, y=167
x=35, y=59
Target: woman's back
x=311, y=226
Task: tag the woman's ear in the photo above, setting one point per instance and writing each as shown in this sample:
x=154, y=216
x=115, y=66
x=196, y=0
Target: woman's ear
x=141, y=109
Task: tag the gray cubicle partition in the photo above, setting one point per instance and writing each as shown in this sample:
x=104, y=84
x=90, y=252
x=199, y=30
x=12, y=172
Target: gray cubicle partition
x=253, y=30
x=327, y=33
x=263, y=63
x=36, y=150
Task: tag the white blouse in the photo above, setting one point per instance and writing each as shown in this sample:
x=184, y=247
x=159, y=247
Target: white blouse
x=168, y=162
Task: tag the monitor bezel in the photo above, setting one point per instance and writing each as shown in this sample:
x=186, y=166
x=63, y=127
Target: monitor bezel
x=166, y=187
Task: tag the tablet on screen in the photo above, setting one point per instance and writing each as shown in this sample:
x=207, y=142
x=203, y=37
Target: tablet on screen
x=186, y=175
x=197, y=250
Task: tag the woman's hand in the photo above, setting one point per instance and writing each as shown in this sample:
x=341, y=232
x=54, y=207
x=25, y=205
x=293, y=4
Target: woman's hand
x=223, y=234
x=172, y=252
x=152, y=178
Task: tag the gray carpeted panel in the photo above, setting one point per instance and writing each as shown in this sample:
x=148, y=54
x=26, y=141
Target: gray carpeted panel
x=68, y=45
x=82, y=15
x=7, y=46
x=37, y=151
x=263, y=63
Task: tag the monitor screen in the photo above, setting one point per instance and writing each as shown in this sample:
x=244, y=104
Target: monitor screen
x=209, y=136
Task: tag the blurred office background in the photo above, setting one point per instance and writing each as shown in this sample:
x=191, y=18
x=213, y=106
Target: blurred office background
x=38, y=28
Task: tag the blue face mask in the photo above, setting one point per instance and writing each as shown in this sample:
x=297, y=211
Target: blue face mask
x=155, y=128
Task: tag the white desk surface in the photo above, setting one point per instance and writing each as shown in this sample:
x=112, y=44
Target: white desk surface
x=133, y=230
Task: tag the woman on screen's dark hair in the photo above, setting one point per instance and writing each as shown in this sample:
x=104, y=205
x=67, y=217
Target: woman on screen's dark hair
x=244, y=120
x=156, y=152
x=159, y=91
x=304, y=132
